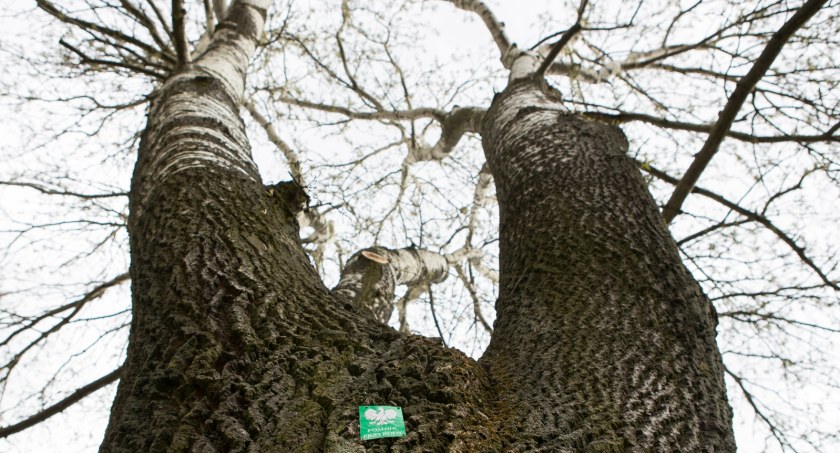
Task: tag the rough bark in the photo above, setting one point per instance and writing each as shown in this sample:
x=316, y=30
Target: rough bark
x=235, y=343
x=603, y=341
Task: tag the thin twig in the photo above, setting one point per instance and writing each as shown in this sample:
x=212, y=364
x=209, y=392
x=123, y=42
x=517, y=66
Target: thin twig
x=67, y=193
x=434, y=316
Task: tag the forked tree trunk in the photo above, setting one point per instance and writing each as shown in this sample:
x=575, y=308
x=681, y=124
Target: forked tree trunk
x=603, y=341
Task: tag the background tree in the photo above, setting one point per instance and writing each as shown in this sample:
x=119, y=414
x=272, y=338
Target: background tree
x=758, y=236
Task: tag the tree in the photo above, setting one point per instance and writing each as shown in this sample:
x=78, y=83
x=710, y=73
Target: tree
x=602, y=339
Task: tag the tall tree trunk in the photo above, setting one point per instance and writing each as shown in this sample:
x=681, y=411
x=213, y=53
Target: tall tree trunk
x=235, y=343
x=603, y=341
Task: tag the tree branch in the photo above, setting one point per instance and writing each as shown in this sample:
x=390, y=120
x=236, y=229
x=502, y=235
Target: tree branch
x=77, y=306
x=561, y=43
x=370, y=277
x=162, y=19
x=458, y=122
x=434, y=314
x=733, y=105
x=290, y=154
x=179, y=30
x=494, y=26
x=777, y=433
x=51, y=9
x=220, y=7
x=116, y=64
x=413, y=114
x=58, y=407
x=479, y=316
x=626, y=117
x=147, y=23
x=66, y=193
x=756, y=217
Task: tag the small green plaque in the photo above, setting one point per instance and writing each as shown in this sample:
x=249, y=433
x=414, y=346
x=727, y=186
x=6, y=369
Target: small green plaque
x=380, y=421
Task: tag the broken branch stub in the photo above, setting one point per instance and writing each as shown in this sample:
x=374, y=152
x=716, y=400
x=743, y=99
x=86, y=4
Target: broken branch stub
x=371, y=276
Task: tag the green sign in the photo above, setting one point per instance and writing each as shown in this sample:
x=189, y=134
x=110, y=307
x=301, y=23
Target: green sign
x=380, y=421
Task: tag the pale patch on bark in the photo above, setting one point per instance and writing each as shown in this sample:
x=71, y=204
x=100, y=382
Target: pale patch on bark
x=524, y=63
x=524, y=99
x=205, y=133
x=228, y=55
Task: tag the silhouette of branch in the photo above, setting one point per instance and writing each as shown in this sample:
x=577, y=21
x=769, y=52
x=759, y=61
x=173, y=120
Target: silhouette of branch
x=756, y=217
x=60, y=406
x=625, y=117
x=733, y=105
x=179, y=29
x=561, y=43
x=67, y=193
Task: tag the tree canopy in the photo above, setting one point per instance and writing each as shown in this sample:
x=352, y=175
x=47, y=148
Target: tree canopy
x=730, y=108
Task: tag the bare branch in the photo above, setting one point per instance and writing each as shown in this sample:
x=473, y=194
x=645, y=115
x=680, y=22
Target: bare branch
x=753, y=316
x=733, y=105
x=60, y=406
x=290, y=154
x=67, y=193
x=179, y=29
x=112, y=63
x=220, y=7
x=394, y=115
x=209, y=19
x=494, y=26
x=777, y=433
x=625, y=117
x=370, y=276
x=162, y=20
x=434, y=314
x=479, y=316
x=458, y=122
x=50, y=8
x=76, y=306
x=561, y=43
x=147, y=23
x=756, y=217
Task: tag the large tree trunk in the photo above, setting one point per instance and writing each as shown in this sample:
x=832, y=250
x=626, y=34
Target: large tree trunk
x=235, y=343
x=603, y=341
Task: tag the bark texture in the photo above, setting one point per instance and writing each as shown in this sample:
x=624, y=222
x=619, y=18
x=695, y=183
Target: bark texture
x=235, y=343
x=603, y=341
